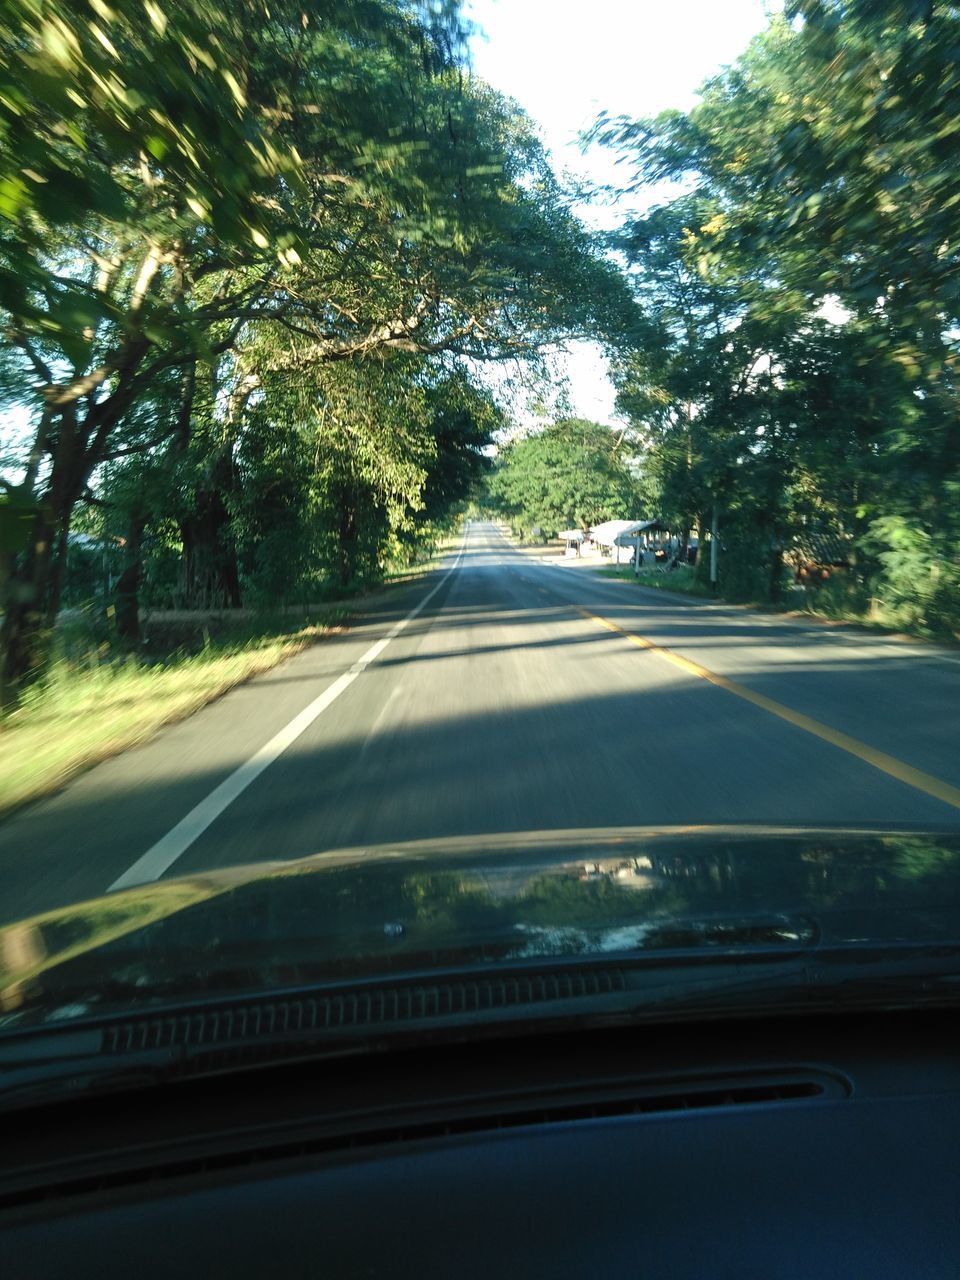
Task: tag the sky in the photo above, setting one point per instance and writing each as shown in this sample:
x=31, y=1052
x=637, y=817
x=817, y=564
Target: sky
x=565, y=62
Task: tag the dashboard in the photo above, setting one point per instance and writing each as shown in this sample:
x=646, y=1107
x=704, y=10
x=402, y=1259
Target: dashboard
x=792, y=1147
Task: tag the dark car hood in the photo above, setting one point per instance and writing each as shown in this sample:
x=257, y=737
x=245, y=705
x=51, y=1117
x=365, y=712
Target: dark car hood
x=442, y=904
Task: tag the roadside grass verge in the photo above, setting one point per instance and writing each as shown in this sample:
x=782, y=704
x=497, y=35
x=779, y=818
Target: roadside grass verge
x=876, y=618
x=834, y=605
x=99, y=699
x=843, y=600
x=681, y=580
x=96, y=702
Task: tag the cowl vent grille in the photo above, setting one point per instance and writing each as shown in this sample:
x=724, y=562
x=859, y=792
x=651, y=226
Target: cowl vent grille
x=368, y=1007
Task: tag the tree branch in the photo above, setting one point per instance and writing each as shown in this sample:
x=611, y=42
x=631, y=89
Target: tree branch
x=20, y=339
x=60, y=397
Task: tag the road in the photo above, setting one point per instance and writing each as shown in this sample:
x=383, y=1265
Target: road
x=522, y=695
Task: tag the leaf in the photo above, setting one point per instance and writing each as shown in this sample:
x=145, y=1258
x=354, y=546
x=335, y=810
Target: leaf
x=14, y=197
x=17, y=512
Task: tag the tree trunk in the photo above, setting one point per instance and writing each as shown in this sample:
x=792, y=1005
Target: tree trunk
x=347, y=534
x=24, y=637
x=128, y=584
x=34, y=584
x=58, y=565
x=76, y=445
x=211, y=575
x=211, y=572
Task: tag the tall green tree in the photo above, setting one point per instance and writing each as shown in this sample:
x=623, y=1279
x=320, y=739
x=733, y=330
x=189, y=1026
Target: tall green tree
x=572, y=474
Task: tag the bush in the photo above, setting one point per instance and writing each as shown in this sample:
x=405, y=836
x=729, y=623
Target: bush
x=840, y=596
x=747, y=570
x=919, y=581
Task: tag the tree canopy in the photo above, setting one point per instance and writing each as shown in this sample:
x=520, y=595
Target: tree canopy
x=203, y=210
x=571, y=474
x=254, y=257
x=799, y=367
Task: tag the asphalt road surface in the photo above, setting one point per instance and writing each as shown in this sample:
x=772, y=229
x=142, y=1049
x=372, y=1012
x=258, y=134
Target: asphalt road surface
x=522, y=695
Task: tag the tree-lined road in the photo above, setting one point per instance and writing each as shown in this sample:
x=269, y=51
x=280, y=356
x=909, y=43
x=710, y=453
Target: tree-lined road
x=523, y=695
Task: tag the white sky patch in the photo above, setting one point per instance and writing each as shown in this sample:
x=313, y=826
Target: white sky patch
x=16, y=429
x=591, y=391
x=565, y=65
x=833, y=311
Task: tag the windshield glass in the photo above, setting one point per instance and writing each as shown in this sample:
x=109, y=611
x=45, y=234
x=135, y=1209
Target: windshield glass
x=478, y=492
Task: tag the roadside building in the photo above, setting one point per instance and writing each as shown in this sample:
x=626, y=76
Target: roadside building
x=613, y=536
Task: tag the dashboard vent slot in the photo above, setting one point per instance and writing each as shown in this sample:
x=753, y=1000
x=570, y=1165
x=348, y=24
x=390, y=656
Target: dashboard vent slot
x=802, y=1086
x=641, y=1100
x=693, y=1099
x=363, y=1007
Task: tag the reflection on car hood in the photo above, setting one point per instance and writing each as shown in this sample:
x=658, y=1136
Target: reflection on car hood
x=441, y=904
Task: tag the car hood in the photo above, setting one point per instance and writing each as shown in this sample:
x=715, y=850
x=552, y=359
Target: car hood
x=438, y=905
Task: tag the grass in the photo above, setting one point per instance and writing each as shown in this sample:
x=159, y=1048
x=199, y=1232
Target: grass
x=835, y=603
x=681, y=579
x=828, y=607
x=95, y=703
x=875, y=617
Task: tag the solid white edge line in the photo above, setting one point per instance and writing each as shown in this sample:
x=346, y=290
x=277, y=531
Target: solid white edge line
x=161, y=856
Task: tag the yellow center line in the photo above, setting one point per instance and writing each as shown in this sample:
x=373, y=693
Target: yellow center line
x=890, y=765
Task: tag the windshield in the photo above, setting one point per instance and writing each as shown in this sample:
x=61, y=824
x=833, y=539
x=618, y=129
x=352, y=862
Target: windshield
x=478, y=492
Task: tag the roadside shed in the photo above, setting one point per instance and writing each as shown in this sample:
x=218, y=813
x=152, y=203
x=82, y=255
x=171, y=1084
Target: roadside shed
x=571, y=539
x=615, y=534
x=815, y=555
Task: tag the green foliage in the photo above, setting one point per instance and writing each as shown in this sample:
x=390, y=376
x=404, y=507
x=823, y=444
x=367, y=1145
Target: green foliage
x=920, y=573
x=16, y=514
x=221, y=224
x=572, y=474
x=683, y=579
x=798, y=364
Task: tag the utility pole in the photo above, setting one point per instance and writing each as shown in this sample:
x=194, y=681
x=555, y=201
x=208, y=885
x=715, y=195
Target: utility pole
x=713, y=546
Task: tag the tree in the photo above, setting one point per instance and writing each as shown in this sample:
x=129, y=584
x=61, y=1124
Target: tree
x=172, y=190
x=573, y=473
x=463, y=420
x=828, y=156
x=325, y=480
x=701, y=385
